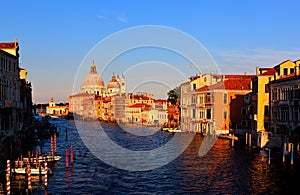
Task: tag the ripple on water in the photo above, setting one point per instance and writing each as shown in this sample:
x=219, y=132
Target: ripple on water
x=223, y=170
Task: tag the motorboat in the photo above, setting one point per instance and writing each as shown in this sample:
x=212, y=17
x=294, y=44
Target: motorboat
x=227, y=136
x=49, y=158
x=34, y=171
x=174, y=130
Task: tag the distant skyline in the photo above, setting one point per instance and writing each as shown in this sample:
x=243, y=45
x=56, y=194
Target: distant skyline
x=55, y=36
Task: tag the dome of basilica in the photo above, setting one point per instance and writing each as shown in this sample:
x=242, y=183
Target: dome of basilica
x=113, y=83
x=92, y=83
x=93, y=78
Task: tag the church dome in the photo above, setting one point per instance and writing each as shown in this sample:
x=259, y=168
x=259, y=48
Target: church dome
x=113, y=83
x=92, y=83
x=93, y=78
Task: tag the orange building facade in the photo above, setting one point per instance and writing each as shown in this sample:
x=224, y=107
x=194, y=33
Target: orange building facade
x=218, y=107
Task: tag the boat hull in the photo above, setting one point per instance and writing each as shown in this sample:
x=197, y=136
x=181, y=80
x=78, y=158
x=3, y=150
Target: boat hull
x=34, y=171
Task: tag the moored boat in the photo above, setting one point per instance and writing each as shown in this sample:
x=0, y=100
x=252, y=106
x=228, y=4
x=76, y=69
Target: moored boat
x=227, y=136
x=174, y=130
x=49, y=158
x=34, y=171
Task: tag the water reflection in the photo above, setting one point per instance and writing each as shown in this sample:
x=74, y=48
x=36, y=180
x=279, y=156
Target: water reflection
x=223, y=170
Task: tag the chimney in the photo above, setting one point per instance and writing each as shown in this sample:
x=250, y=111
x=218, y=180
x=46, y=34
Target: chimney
x=257, y=70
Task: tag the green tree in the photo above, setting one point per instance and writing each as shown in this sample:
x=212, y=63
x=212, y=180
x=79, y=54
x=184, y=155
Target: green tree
x=172, y=96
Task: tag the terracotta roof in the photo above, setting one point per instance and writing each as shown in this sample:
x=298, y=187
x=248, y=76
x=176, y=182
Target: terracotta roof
x=145, y=106
x=270, y=71
x=11, y=45
x=234, y=76
x=160, y=101
x=243, y=84
x=288, y=76
x=106, y=100
x=140, y=97
x=230, y=84
x=205, y=88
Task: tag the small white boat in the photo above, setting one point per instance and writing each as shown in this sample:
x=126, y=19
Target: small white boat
x=174, y=130
x=227, y=136
x=34, y=171
x=50, y=158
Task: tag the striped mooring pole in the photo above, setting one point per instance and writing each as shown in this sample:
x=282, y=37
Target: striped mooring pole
x=46, y=174
x=8, y=183
x=71, y=155
x=54, y=144
x=29, y=177
x=8, y=176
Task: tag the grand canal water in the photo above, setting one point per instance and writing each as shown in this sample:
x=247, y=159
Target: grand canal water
x=223, y=170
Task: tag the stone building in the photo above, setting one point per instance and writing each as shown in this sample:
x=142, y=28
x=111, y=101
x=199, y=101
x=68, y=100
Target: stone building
x=215, y=103
x=15, y=102
x=259, y=105
x=285, y=97
x=94, y=99
x=57, y=110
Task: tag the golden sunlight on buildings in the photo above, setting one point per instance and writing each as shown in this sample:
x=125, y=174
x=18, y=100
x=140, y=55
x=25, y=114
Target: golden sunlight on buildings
x=112, y=103
x=54, y=110
x=218, y=105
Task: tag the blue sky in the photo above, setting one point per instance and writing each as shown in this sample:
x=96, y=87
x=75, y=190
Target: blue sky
x=55, y=36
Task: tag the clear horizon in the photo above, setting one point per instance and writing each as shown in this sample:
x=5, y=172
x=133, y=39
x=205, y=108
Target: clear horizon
x=55, y=36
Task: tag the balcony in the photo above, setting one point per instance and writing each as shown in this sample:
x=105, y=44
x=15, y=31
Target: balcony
x=203, y=105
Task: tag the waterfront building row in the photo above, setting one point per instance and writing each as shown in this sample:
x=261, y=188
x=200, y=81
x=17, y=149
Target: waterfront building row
x=114, y=104
x=215, y=103
x=15, y=102
x=266, y=101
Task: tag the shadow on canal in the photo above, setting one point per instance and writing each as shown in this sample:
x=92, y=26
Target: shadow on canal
x=223, y=170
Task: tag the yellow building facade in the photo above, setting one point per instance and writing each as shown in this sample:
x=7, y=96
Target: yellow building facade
x=57, y=110
x=260, y=98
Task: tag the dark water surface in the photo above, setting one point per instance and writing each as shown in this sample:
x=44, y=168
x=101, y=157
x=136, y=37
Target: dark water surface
x=223, y=170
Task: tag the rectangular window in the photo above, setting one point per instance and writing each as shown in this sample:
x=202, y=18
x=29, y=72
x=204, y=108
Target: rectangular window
x=202, y=114
x=244, y=110
x=194, y=86
x=249, y=123
x=266, y=125
x=274, y=94
x=208, y=113
x=292, y=70
x=244, y=123
x=194, y=113
x=225, y=114
x=267, y=90
x=225, y=98
x=266, y=111
x=201, y=99
x=208, y=100
x=285, y=71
